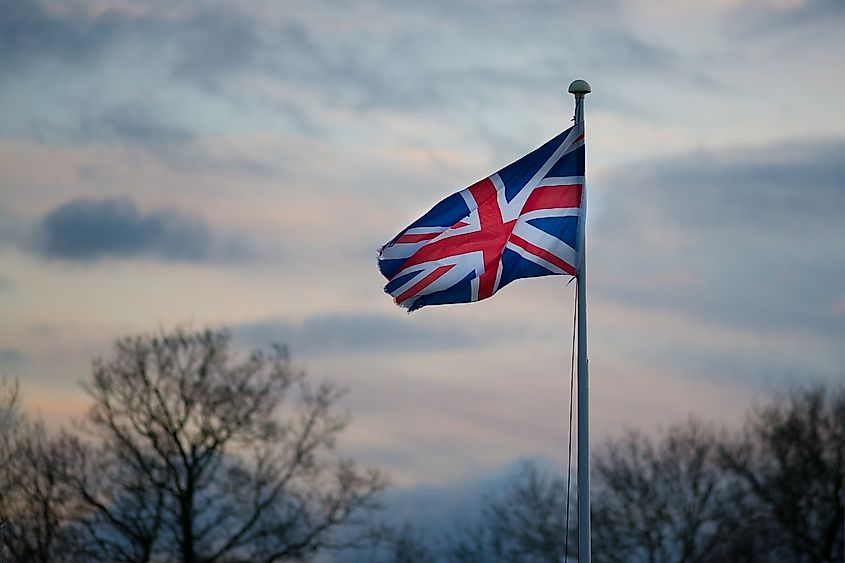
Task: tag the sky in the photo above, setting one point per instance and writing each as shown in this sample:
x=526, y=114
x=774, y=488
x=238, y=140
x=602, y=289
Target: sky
x=238, y=164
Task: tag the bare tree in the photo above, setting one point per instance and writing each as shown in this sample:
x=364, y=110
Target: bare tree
x=193, y=454
x=9, y=408
x=790, y=459
x=524, y=524
x=664, y=501
x=36, y=505
x=394, y=544
x=409, y=546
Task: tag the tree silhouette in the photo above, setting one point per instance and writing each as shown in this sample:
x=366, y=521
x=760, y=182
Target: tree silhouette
x=525, y=523
x=663, y=501
x=35, y=503
x=9, y=409
x=790, y=459
x=395, y=544
x=192, y=454
x=772, y=492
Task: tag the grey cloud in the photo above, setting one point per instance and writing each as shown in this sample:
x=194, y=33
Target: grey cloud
x=416, y=66
x=359, y=333
x=758, y=189
x=803, y=13
x=197, y=45
x=13, y=229
x=748, y=237
x=134, y=123
x=209, y=40
x=755, y=368
x=141, y=124
x=822, y=8
x=214, y=44
x=85, y=229
x=422, y=58
x=436, y=64
x=421, y=68
x=805, y=21
x=146, y=79
x=10, y=357
x=28, y=33
x=41, y=330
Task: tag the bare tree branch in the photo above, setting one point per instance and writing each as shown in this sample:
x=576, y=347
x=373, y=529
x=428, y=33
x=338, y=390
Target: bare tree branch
x=204, y=460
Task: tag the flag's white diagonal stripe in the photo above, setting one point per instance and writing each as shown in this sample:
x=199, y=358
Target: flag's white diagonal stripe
x=517, y=203
x=561, y=181
x=546, y=241
x=554, y=212
x=536, y=259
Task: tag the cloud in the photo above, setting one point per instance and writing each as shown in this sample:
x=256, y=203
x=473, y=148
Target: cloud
x=134, y=123
x=361, y=333
x=77, y=34
x=796, y=13
x=29, y=33
x=87, y=229
x=9, y=357
x=203, y=44
x=423, y=62
x=413, y=59
x=14, y=231
x=173, y=80
x=215, y=43
x=749, y=237
x=141, y=124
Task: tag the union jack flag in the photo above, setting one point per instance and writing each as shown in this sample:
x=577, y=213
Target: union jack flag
x=520, y=222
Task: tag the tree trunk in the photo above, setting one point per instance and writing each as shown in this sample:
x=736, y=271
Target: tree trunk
x=187, y=523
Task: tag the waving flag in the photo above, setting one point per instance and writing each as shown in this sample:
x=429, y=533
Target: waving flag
x=520, y=222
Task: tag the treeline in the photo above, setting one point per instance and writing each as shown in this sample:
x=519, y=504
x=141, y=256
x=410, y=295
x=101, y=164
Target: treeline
x=187, y=453
x=771, y=491
x=190, y=452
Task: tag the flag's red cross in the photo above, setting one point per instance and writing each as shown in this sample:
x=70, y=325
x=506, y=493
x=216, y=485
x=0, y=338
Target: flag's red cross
x=490, y=238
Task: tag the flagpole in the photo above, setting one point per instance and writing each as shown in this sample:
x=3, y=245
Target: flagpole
x=580, y=88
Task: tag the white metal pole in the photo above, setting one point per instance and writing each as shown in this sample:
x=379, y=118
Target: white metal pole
x=579, y=89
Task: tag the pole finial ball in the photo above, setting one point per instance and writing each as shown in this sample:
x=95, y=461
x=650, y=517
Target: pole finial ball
x=579, y=87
